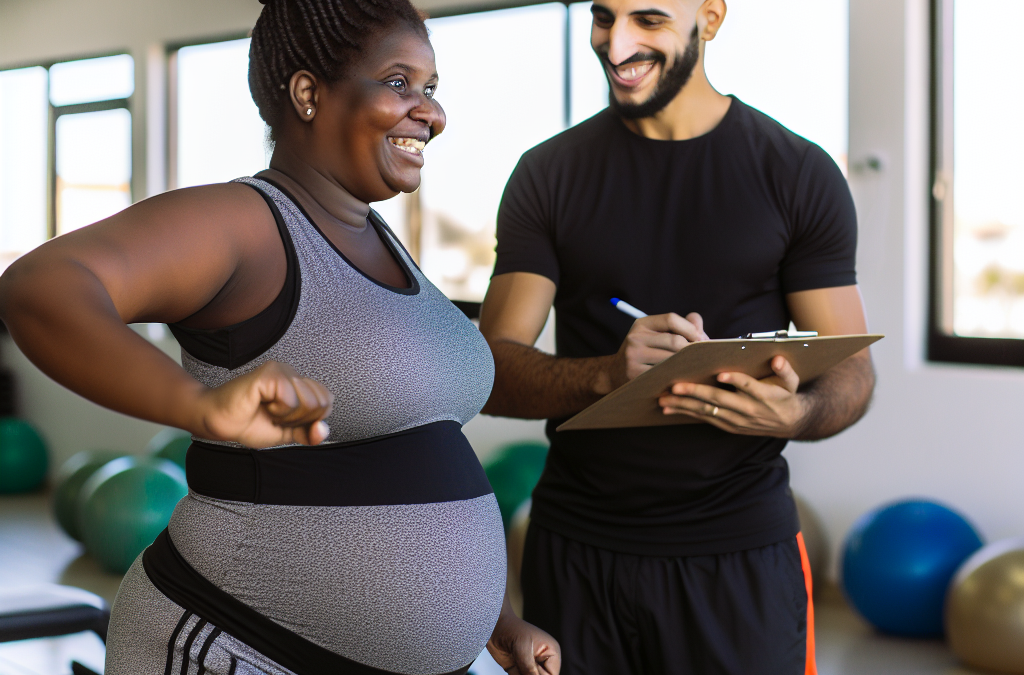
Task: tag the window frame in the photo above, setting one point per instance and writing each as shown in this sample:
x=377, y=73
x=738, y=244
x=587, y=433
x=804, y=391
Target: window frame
x=171, y=97
x=56, y=111
x=51, y=141
x=53, y=112
x=471, y=308
x=943, y=345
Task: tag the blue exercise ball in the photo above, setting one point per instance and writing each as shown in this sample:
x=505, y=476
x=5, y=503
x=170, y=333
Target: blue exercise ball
x=898, y=561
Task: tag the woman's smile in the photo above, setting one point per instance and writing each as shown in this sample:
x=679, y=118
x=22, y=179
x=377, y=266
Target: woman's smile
x=408, y=149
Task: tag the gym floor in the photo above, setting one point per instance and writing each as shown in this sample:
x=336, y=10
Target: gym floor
x=34, y=550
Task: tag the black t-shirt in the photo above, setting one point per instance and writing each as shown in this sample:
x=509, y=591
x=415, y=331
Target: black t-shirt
x=726, y=225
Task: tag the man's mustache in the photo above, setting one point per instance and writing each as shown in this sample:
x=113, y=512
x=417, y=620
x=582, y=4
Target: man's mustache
x=639, y=57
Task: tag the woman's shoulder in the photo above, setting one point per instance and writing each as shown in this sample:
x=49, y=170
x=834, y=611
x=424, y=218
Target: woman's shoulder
x=232, y=200
x=233, y=210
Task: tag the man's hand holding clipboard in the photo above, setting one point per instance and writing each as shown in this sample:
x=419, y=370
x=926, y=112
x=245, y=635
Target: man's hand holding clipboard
x=762, y=374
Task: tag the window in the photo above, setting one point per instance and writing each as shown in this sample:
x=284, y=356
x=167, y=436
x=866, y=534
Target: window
x=977, y=285
x=588, y=86
x=498, y=107
x=214, y=140
x=493, y=117
x=65, y=148
x=23, y=176
x=92, y=132
x=449, y=223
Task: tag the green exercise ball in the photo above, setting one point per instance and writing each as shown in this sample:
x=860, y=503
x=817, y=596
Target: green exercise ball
x=23, y=458
x=985, y=609
x=70, y=479
x=170, y=444
x=513, y=473
x=125, y=505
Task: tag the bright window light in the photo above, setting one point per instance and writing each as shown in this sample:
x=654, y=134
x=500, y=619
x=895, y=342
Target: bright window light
x=988, y=143
x=93, y=167
x=23, y=183
x=589, y=85
x=484, y=98
x=450, y=221
x=220, y=137
x=802, y=82
x=89, y=80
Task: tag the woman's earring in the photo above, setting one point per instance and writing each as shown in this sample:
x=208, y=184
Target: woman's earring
x=309, y=111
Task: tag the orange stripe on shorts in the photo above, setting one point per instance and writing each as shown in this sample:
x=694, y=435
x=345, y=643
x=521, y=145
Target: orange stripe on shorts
x=811, y=666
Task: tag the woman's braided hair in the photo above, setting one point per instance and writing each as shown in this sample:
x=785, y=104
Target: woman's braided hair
x=321, y=36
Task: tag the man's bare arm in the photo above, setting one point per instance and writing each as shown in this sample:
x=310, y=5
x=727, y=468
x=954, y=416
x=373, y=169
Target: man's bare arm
x=527, y=382
x=837, y=399
x=841, y=396
x=531, y=384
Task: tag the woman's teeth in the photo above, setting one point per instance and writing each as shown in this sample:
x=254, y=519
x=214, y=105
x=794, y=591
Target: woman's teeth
x=410, y=145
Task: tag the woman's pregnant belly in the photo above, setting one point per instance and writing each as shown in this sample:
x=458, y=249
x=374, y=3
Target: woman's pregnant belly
x=413, y=588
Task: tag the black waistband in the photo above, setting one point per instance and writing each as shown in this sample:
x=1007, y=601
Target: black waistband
x=182, y=584
x=427, y=464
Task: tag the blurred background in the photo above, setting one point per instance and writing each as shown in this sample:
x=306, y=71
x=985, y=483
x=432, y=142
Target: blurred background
x=105, y=102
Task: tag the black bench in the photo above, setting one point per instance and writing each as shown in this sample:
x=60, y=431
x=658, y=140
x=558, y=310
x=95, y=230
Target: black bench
x=50, y=610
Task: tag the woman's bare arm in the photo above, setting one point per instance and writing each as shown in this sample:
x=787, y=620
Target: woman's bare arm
x=211, y=253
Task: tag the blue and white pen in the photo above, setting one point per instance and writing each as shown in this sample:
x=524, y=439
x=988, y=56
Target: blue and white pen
x=627, y=308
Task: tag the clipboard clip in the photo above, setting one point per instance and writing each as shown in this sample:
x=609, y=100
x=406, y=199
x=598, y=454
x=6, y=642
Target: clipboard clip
x=780, y=334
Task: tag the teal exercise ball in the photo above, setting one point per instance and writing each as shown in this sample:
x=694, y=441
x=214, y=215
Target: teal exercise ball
x=70, y=478
x=23, y=457
x=513, y=473
x=125, y=505
x=170, y=444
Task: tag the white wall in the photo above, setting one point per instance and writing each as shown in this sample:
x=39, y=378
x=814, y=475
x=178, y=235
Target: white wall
x=951, y=433
x=946, y=432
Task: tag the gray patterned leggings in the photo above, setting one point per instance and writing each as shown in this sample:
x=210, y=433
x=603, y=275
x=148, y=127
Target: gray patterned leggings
x=150, y=635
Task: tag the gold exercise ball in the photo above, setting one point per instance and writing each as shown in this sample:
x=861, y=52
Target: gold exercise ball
x=985, y=608
x=515, y=540
x=815, y=541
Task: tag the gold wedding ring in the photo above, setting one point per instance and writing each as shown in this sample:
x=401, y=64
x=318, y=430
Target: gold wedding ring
x=714, y=413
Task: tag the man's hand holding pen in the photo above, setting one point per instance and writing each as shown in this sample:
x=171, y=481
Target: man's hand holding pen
x=651, y=340
x=768, y=407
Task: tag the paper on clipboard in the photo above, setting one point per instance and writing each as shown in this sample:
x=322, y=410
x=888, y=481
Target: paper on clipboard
x=635, y=404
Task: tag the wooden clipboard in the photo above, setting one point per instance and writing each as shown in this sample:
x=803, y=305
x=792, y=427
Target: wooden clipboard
x=635, y=404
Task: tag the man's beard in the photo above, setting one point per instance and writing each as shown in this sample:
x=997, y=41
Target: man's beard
x=668, y=86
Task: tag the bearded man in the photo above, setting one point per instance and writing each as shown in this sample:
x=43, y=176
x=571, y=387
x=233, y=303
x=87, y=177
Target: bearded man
x=672, y=549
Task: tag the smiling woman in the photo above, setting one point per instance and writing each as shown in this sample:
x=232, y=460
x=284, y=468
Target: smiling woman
x=380, y=550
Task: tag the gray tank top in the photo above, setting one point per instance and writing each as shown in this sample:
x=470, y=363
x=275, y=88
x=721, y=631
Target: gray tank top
x=394, y=359
x=385, y=544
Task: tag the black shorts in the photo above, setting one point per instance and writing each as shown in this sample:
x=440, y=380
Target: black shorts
x=742, y=613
